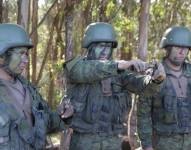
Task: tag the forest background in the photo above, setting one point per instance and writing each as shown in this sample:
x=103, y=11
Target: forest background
x=56, y=28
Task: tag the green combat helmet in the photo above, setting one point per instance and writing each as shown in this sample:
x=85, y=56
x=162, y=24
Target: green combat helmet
x=12, y=35
x=99, y=32
x=176, y=36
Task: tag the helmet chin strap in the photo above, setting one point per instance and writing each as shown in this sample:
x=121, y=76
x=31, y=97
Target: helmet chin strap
x=6, y=68
x=90, y=55
x=10, y=72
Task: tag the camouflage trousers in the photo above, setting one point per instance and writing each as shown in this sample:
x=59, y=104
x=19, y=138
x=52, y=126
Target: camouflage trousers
x=173, y=142
x=95, y=142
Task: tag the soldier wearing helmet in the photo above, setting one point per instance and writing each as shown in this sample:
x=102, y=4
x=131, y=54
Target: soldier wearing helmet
x=25, y=117
x=99, y=89
x=164, y=120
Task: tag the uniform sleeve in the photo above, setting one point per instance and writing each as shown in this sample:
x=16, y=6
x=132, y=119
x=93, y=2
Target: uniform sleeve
x=144, y=121
x=139, y=84
x=4, y=127
x=87, y=71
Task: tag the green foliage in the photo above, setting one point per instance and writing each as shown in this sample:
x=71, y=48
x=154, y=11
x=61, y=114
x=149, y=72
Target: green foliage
x=111, y=8
x=166, y=13
x=122, y=14
x=158, y=10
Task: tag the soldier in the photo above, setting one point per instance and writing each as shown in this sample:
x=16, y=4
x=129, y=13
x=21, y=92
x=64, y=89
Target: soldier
x=164, y=119
x=25, y=117
x=99, y=89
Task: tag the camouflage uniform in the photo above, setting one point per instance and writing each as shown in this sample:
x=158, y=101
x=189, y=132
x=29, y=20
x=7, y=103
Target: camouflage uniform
x=15, y=131
x=25, y=117
x=164, y=119
x=100, y=119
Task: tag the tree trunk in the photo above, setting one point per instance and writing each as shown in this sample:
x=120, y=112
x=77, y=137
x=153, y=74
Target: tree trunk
x=49, y=42
x=131, y=46
x=1, y=11
x=44, y=17
x=127, y=54
x=34, y=39
x=102, y=10
x=142, y=54
x=68, y=35
x=128, y=44
x=68, y=48
x=62, y=44
x=143, y=29
x=53, y=58
x=174, y=13
x=48, y=48
x=28, y=28
x=6, y=11
x=87, y=14
x=51, y=87
x=23, y=13
x=127, y=47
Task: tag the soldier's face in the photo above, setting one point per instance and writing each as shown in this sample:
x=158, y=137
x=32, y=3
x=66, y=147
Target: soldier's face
x=18, y=59
x=177, y=55
x=102, y=51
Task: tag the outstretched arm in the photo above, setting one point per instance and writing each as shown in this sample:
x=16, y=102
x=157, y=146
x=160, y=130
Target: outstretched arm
x=88, y=71
x=144, y=84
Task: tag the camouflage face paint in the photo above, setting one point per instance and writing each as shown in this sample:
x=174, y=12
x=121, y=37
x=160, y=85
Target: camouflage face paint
x=101, y=51
x=18, y=60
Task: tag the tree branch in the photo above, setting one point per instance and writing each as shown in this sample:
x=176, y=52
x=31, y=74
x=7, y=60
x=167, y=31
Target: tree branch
x=46, y=53
x=115, y=14
x=44, y=17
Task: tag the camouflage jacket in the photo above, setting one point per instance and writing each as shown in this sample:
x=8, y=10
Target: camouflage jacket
x=15, y=132
x=94, y=111
x=165, y=113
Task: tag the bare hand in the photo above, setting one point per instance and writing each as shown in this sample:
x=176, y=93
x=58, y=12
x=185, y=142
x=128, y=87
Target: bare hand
x=134, y=65
x=65, y=109
x=159, y=74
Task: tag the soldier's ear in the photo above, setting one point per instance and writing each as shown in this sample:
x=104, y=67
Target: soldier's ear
x=168, y=50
